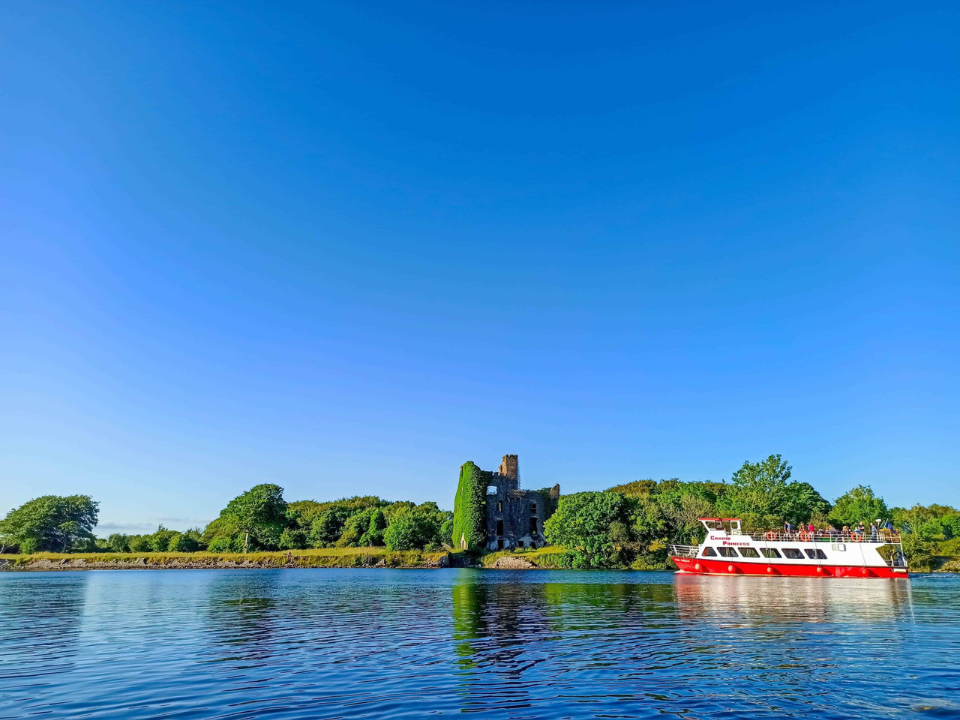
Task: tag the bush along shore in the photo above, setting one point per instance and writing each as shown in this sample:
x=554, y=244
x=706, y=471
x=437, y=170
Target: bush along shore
x=626, y=527
x=372, y=557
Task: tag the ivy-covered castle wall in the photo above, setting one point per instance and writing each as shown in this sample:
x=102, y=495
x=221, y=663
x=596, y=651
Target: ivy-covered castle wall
x=470, y=508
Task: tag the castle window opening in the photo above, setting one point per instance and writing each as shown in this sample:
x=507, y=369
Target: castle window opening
x=533, y=507
x=499, y=543
x=491, y=489
x=533, y=526
x=499, y=527
x=500, y=506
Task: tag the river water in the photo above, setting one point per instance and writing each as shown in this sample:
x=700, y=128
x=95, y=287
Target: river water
x=410, y=644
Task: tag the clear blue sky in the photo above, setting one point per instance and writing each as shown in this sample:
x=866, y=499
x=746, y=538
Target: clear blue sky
x=345, y=247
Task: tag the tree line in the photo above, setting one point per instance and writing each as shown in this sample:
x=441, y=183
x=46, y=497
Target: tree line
x=631, y=525
x=259, y=519
x=626, y=526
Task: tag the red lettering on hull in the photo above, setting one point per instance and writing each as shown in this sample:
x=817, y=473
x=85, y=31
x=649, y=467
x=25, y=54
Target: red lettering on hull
x=704, y=566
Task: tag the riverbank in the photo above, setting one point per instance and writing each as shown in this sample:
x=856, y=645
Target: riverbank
x=316, y=558
x=548, y=558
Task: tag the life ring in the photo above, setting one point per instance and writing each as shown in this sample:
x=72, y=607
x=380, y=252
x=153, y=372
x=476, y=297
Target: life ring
x=856, y=537
x=803, y=536
x=770, y=536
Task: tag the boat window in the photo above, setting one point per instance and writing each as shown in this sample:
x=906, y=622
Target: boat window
x=749, y=552
x=709, y=552
x=793, y=553
x=770, y=552
x=817, y=554
x=727, y=551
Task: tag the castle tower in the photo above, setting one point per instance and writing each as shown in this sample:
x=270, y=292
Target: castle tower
x=510, y=467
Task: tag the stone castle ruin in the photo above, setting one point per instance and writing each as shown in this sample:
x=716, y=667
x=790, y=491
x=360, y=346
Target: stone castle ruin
x=492, y=512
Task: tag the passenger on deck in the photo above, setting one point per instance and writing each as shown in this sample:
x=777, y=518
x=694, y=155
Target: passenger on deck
x=812, y=530
x=787, y=528
x=846, y=531
x=873, y=531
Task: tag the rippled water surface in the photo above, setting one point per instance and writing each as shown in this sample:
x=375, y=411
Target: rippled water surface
x=405, y=644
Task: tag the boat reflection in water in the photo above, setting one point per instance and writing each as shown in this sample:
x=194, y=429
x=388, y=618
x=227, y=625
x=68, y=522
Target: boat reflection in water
x=765, y=600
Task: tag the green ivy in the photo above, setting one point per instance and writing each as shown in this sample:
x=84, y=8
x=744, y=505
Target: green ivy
x=470, y=507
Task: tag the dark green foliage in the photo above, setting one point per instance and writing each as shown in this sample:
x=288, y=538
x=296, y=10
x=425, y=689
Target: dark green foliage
x=293, y=539
x=220, y=544
x=260, y=514
x=951, y=526
x=414, y=529
x=140, y=543
x=184, y=542
x=119, y=543
x=51, y=523
x=588, y=525
x=327, y=528
x=160, y=540
x=376, y=528
x=470, y=508
x=858, y=505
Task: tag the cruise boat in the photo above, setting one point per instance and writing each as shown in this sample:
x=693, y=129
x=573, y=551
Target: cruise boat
x=727, y=550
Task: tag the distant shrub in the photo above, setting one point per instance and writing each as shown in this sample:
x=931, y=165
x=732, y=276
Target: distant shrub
x=183, y=542
x=293, y=539
x=220, y=545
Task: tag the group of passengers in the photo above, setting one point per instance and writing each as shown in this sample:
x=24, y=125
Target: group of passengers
x=857, y=533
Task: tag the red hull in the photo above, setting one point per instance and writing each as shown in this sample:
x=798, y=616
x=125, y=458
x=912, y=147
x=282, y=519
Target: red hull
x=704, y=566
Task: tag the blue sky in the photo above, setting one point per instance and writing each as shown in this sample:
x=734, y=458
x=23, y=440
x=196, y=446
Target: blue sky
x=345, y=247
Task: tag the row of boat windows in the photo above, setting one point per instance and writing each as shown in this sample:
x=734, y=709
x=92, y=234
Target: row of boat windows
x=772, y=553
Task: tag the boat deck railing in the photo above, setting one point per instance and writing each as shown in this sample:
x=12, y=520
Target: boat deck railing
x=883, y=537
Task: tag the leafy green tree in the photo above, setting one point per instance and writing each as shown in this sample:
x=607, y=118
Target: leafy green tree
x=582, y=524
x=260, y=513
x=355, y=527
x=293, y=539
x=413, y=530
x=376, y=529
x=50, y=523
x=758, y=493
x=327, y=528
x=951, y=525
x=803, y=503
x=160, y=540
x=221, y=544
x=140, y=543
x=119, y=542
x=183, y=542
x=858, y=505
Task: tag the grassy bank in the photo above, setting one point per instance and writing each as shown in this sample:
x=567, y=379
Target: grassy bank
x=316, y=558
x=546, y=558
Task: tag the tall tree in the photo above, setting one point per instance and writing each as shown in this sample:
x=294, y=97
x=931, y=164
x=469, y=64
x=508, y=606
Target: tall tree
x=856, y=505
x=260, y=512
x=50, y=523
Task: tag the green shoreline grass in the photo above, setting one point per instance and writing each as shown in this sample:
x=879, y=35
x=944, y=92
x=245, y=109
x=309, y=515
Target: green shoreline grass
x=327, y=557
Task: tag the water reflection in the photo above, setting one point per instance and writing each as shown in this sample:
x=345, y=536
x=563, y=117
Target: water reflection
x=759, y=601
x=405, y=644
